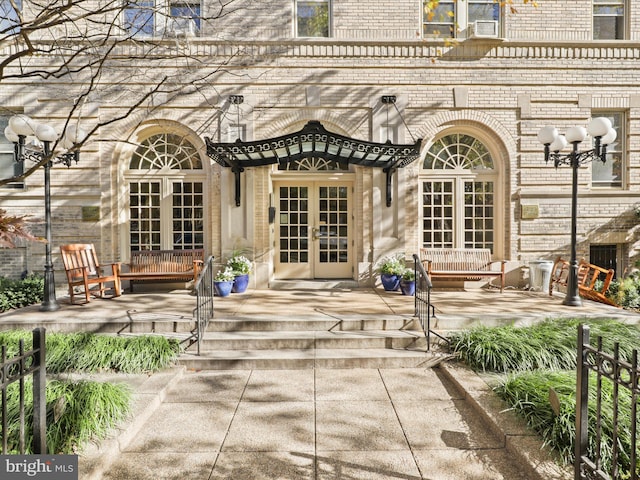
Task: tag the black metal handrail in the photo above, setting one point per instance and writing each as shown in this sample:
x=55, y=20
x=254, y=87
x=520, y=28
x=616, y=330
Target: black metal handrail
x=204, y=300
x=17, y=369
x=623, y=375
x=424, y=309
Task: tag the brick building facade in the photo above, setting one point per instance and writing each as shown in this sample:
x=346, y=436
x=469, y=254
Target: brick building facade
x=476, y=101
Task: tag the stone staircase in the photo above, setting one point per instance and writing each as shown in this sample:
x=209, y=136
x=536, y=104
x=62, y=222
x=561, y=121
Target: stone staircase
x=356, y=341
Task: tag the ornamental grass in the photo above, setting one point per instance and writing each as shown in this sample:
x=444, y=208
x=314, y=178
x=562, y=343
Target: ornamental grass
x=550, y=344
x=527, y=393
x=532, y=361
x=82, y=411
x=91, y=353
x=77, y=413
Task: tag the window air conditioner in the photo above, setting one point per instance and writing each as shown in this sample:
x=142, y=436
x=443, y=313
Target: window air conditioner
x=484, y=29
x=181, y=27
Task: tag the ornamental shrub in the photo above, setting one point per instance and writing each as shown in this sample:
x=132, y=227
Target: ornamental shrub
x=21, y=293
x=625, y=292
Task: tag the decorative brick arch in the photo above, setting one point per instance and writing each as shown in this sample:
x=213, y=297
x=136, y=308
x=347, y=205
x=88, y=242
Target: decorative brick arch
x=490, y=126
x=129, y=132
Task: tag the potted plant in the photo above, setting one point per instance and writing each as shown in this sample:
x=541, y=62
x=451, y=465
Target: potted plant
x=241, y=267
x=391, y=270
x=223, y=282
x=408, y=282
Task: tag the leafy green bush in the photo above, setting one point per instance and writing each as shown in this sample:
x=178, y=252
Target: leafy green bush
x=88, y=352
x=21, y=293
x=625, y=292
x=548, y=345
x=528, y=394
x=77, y=412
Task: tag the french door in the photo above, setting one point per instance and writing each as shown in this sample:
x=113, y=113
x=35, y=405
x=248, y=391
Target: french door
x=458, y=213
x=313, y=230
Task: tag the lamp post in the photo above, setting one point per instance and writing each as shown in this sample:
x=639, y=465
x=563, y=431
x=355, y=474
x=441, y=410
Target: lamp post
x=20, y=129
x=601, y=130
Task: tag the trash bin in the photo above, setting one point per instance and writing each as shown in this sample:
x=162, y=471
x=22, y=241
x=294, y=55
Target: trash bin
x=540, y=274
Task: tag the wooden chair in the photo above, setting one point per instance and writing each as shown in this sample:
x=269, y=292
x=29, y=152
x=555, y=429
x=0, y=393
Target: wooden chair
x=83, y=270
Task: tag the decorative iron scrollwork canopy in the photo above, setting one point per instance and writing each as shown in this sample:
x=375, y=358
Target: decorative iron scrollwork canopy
x=312, y=141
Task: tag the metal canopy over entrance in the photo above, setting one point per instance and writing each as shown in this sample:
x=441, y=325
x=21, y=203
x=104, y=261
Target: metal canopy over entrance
x=312, y=141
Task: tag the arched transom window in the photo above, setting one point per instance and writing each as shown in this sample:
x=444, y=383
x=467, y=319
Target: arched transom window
x=166, y=194
x=313, y=164
x=458, y=151
x=458, y=181
x=165, y=150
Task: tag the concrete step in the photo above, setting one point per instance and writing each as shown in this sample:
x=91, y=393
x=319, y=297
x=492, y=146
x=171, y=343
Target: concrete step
x=453, y=322
x=320, y=341
x=277, y=322
x=283, y=339
x=309, y=358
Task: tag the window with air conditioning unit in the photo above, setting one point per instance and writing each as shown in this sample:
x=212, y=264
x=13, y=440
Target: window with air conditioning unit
x=470, y=19
x=181, y=27
x=483, y=29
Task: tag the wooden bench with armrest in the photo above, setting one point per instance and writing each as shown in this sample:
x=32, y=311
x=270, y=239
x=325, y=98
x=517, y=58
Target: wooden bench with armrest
x=462, y=263
x=588, y=275
x=83, y=270
x=156, y=265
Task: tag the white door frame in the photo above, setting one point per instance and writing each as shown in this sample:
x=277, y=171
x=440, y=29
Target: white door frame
x=319, y=255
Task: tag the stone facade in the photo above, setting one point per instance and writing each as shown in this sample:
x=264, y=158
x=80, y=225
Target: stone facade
x=542, y=70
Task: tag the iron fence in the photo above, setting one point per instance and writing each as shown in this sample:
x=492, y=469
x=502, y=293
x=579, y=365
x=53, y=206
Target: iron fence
x=204, y=300
x=16, y=370
x=424, y=309
x=613, y=409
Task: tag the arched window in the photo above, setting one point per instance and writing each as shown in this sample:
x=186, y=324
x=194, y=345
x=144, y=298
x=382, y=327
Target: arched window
x=458, y=189
x=166, y=194
x=165, y=150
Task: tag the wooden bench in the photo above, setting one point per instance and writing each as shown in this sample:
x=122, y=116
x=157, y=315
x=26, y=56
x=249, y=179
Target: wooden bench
x=157, y=265
x=464, y=263
x=83, y=270
x=588, y=275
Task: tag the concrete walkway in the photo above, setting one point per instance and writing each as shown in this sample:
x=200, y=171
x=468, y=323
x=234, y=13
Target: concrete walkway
x=325, y=424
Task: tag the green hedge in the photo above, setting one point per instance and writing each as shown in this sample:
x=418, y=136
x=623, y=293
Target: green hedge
x=21, y=293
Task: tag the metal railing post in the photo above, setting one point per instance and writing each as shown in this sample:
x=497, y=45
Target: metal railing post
x=582, y=401
x=39, y=392
x=204, y=300
x=15, y=370
x=422, y=301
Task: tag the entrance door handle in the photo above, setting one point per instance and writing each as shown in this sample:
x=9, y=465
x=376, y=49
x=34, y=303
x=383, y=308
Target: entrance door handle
x=316, y=233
